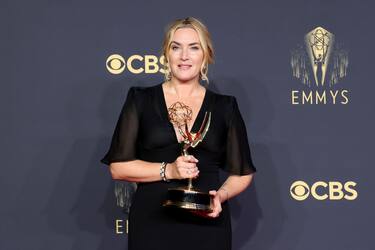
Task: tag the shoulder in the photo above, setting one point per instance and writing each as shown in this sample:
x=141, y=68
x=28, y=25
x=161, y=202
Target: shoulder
x=223, y=99
x=140, y=92
x=226, y=105
x=141, y=96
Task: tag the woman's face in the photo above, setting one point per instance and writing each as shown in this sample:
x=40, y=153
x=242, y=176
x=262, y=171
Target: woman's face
x=185, y=55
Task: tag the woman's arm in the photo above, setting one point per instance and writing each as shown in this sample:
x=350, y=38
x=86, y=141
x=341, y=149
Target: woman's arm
x=233, y=186
x=143, y=171
x=135, y=171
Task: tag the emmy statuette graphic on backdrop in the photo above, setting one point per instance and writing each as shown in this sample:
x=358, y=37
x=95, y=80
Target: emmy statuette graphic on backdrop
x=188, y=197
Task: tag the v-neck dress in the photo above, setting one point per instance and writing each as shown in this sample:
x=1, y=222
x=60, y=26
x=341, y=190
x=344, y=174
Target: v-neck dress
x=144, y=132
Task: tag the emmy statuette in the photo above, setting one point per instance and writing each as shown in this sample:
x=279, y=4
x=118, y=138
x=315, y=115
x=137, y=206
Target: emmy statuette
x=188, y=197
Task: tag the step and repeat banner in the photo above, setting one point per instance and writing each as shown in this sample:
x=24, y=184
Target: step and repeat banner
x=303, y=76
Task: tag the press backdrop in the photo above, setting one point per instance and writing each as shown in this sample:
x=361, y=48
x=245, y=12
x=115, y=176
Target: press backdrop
x=66, y=67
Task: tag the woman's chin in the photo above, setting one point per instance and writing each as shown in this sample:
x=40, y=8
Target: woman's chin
x=186, y=78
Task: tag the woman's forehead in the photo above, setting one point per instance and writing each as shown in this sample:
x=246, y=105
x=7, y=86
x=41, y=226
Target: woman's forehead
x=185, y=36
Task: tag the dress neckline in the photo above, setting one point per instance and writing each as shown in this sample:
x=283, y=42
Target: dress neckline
x=199, y=117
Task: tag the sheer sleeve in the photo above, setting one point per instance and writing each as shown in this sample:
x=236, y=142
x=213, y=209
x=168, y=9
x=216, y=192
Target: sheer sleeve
x=124, y=140
x=238, y=155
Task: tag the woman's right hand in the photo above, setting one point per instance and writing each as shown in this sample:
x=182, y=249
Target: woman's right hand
x=182, y=168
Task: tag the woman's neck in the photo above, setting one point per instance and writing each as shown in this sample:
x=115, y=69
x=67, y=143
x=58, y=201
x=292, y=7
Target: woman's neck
x=184, y=89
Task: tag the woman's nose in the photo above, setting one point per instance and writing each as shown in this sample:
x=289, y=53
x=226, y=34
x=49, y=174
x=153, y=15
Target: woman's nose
x=184, y=54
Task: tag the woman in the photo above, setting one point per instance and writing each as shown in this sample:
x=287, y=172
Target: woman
x=146, y=149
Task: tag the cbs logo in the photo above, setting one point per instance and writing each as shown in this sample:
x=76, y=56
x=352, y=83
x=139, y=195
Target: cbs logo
x=320, y=190
x=136, y=64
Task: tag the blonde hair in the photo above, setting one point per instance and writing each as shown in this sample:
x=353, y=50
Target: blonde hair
x=204, y=38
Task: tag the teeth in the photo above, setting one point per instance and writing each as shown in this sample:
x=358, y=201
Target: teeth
x=184, y=66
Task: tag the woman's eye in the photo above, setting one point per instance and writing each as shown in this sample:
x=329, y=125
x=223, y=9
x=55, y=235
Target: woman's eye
x=174, y=47
x=195, y=48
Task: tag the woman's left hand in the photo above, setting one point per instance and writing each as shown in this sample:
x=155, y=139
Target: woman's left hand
x=216, y=206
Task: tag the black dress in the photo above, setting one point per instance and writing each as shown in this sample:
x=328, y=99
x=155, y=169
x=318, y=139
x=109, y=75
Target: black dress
x=144, y=132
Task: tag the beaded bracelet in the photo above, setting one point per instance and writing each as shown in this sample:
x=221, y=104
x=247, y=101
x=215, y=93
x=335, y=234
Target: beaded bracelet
x=162, y=171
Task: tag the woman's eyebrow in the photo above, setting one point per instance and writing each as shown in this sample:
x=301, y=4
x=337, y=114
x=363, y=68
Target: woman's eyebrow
x=195, y=43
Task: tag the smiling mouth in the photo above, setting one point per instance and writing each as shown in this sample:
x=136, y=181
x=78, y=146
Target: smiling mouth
x=184, y=66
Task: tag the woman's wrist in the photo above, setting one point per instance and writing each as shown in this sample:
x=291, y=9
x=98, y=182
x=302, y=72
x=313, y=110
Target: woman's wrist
x=223, y=194
x=162, y=172
x=168, y=171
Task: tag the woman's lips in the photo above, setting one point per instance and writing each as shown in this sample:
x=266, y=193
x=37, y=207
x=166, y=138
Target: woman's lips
x=184, y=66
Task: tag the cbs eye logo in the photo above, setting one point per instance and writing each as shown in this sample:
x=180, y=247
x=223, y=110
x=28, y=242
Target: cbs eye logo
x=320, y=190
x=136, y=64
